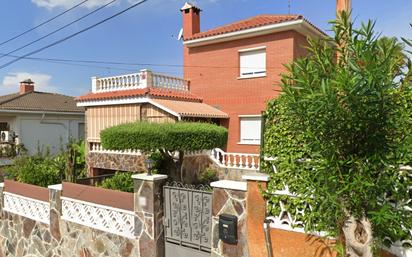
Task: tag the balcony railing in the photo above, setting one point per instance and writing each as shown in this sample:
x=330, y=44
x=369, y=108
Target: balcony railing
x=140, y=80
x=235, y=160
x=96, y=147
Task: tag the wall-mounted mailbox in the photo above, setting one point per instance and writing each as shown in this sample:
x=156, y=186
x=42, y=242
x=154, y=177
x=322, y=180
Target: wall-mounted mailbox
x=228, y=228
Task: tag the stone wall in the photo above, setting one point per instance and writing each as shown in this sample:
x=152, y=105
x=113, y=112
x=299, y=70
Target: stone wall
x=24, y=237
x=116, y=162
x=229, y=201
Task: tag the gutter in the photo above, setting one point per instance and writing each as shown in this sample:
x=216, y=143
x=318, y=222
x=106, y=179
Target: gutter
x=302, y=26
x=42, y=112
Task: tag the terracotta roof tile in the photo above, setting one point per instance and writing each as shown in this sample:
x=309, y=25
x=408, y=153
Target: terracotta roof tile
x=155, y=92
x=191, y=109
x=39, y=101
x=253, y=22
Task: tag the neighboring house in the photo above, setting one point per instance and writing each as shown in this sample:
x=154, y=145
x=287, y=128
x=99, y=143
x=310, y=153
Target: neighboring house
x=143, y=96
x=236, y=67
x=40, y=120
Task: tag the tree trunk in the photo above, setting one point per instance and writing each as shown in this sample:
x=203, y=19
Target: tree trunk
x=358, y=237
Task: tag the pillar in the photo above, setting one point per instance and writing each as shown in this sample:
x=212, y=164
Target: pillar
x=55, y=193
x=256, y=210
x=148, y=206
x=229, y=197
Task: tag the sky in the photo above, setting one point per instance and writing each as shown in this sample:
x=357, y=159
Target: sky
x=146, y=36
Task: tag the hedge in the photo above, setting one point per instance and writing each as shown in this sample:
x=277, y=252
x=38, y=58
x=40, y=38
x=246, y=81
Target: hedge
x=181, y=136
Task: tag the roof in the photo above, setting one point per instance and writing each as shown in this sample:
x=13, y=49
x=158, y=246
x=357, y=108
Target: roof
x=154, y=92
x=190, y=109
x=253, y=22
x=39, y=101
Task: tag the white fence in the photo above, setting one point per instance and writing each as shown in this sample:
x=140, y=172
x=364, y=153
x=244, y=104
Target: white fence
x=27, y=207
x=96, y=147
x=101, y=217
x=140, y=80
x=235, y=160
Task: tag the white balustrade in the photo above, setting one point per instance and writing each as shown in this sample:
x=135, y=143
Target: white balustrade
x=235, y=160
x=27, y=207
x=96, y=147
x=101, y=217
x=168, y=82
x=122, y=82
x=142, y=79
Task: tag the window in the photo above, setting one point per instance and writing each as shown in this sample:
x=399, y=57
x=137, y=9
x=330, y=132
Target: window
x=252, y=62
x=250, y=129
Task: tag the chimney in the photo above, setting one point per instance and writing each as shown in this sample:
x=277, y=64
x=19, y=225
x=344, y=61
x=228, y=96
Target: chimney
x=26, y=86
x=343, y=5
x=191, y=20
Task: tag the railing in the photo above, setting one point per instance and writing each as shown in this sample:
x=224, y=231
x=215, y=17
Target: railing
x=167, y=82
x=235, y=160
x=101, y=217
x=96, y=147
x=143, y=79
x=27, y=207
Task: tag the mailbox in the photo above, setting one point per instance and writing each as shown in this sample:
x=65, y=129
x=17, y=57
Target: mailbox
x=228, y=228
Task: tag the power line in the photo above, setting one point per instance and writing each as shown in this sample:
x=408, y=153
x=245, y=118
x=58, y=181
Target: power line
x=43, y=23
x=57, y=30
x=59, y=60
x=74, y=34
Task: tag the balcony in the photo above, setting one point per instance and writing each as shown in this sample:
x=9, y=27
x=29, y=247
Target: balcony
x=140, y=80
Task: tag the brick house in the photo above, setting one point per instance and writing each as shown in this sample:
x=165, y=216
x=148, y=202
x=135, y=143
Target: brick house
x=236, y=67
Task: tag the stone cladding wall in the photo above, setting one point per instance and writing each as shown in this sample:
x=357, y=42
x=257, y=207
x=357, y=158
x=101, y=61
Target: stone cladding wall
x=227, y=201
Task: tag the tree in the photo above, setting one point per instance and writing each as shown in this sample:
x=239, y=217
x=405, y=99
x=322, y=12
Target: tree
x=170, y=139
x=340, y=131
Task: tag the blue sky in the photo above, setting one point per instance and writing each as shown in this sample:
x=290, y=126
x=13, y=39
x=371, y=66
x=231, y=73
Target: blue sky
x=147, y=34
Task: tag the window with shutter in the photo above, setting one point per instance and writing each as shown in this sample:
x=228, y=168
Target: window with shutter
x=252, y=63
x=250, y=130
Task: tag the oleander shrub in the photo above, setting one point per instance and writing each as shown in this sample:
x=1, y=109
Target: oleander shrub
x=340, y=131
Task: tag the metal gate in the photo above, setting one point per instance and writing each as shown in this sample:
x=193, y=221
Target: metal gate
x=188, y=220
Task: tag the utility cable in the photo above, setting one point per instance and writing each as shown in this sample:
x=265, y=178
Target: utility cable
x=57, y=30
x=74, y=34
x=43, y=23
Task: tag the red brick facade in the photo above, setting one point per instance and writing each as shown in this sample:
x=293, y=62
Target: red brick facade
x=213, y=71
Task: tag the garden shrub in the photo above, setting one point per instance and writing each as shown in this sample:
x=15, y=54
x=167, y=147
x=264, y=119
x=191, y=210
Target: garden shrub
x=207, y=176
x=339, y=131
x=121, y=181
x=181, y=136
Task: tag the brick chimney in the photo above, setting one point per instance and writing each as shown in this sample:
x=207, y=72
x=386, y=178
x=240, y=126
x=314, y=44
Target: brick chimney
x=191, y=20
x=26, y=86
x=343, y=5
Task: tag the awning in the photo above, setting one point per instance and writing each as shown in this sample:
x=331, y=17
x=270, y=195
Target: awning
x=189, y=109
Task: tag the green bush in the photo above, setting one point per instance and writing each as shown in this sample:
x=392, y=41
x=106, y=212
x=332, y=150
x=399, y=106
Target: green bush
x=179, y=136
x=35, y=170
x=121, y=181
x=207, y=176
x=44, y=169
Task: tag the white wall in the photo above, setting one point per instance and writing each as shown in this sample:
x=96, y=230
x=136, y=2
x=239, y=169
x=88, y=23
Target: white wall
x=51, y=130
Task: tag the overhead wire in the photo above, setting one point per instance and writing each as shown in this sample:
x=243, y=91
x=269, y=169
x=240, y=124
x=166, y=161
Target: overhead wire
x=59, y=29
x=43, y=23
x=74, y=34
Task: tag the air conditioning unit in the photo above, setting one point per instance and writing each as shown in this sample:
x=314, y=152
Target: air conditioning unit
x=5, y=136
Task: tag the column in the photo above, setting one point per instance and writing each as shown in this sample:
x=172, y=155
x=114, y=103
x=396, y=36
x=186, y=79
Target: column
x=229, y=197
x=256, y=210
x=55, y=193
x=148, y=206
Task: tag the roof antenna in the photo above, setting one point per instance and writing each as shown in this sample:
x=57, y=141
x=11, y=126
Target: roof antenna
x=289, y=5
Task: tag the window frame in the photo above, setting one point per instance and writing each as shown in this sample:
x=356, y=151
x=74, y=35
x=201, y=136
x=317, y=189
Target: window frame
x=254, y=75
x=253, y=116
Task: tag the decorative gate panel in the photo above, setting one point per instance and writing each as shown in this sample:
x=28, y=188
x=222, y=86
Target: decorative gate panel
x=188, y=220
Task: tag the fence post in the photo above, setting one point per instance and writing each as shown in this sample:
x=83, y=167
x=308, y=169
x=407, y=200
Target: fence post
x=55, y=193
x=229, y=197
x=1, y=199
x=256, y=211
x=148, y=206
